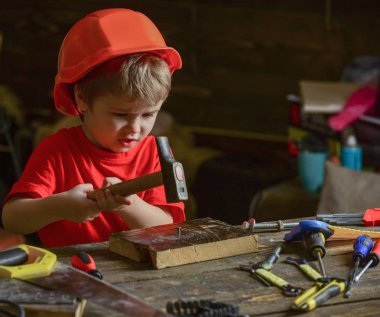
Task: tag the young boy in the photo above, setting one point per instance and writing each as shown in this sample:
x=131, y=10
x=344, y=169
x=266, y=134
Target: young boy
x=114, y=71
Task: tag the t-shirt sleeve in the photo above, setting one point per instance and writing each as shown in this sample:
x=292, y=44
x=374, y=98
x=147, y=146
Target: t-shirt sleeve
x=38, y=177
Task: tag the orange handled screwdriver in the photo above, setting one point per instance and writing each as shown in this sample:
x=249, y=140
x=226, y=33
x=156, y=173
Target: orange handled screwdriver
x=373, y=259
x=84, y=262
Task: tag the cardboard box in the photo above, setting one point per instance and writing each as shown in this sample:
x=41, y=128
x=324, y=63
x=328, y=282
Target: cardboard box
x=325, y=96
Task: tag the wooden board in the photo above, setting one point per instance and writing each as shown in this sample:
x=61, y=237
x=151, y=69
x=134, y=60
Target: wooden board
x=182, y=243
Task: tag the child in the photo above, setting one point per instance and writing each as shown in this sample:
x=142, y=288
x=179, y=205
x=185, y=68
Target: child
x=114, y=71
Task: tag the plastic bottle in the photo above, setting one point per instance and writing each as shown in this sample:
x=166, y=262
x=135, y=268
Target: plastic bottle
x=351, y=154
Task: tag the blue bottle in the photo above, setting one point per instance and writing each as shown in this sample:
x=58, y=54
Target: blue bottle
x=351, y=154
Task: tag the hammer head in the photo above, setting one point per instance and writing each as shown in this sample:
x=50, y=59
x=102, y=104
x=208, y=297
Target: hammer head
x=173, y=175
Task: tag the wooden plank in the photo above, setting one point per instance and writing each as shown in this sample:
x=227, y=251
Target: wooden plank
x=188, y=242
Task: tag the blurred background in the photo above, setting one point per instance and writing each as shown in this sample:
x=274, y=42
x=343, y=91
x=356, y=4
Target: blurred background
x=229, y=113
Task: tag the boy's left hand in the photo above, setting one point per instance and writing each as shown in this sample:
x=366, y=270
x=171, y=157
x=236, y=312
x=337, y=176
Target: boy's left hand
x=108, y=201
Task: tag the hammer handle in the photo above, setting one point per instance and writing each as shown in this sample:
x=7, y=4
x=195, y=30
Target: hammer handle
x=132, y=186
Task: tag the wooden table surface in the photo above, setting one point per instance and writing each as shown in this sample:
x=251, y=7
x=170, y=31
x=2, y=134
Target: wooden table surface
x=222, y=281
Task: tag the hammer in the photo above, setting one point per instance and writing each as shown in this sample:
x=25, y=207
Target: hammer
x=172, y=176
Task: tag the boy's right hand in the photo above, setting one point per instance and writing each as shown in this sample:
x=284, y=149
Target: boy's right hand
x=79, y=207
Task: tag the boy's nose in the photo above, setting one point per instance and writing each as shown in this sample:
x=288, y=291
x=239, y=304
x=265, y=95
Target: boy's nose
x=133, y=125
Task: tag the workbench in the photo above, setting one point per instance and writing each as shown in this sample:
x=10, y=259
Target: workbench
x=222, y=281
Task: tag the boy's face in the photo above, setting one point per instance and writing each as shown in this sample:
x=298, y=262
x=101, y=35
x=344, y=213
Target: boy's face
x=115, y=124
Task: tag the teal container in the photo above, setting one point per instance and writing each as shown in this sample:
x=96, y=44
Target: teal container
x=311, y=169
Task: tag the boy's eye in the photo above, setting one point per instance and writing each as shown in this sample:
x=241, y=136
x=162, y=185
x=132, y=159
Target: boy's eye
x=148, y=115
x=119, y=114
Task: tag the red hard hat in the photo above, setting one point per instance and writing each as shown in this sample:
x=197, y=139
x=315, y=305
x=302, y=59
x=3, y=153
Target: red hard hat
x=99, y=37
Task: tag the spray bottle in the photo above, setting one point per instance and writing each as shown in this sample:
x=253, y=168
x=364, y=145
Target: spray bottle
x=351, y=153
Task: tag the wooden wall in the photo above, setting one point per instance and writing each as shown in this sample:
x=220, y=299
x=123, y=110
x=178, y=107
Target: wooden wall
x=240, y=58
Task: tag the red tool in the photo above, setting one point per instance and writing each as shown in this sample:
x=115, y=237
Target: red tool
x=84, y=262
x=369, y=218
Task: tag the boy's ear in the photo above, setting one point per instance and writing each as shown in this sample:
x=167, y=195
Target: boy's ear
x=79, y=99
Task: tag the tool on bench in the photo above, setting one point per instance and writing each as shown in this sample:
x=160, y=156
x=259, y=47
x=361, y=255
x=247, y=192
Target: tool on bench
x=84, y=262
x=362, y=246
x=43, y=270
x=201, y=308
x=324, y=289
x=314, y=234
x=369, y=218
x=172, y=176
x=372, y=259
x=262, y=272
x=279, y=225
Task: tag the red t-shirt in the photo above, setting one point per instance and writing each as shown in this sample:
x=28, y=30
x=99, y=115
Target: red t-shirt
x=66, y=159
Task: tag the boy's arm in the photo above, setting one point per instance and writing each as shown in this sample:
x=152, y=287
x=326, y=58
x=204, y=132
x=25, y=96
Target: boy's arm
x=23, y=215
x=140, y=214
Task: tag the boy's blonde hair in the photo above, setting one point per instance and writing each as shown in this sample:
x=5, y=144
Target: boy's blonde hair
x=141, y=77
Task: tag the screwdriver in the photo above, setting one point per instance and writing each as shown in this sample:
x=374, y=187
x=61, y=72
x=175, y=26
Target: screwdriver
x=362, y=246
x=315, y=244
x=372, y=260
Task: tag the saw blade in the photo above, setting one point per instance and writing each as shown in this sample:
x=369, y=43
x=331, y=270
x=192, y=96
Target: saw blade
x=82, y=285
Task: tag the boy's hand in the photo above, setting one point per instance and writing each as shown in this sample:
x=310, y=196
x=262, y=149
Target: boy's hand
x=109, y=201
x=79, y=206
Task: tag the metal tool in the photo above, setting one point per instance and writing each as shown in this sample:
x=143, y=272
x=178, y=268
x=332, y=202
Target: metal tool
x=262, y=272
x=201, y=308
x=279, y=225
x=313, y=233
x=79, y=284
x=369, y=218
x=324, y=289
x=372, y=259
x=362, y=246
x=172, y=176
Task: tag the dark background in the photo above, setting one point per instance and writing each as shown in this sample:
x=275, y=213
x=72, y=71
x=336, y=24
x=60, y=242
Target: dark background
x=241, y=59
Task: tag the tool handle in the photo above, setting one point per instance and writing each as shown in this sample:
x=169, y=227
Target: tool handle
x=362, y=246
x=309, y=271
x=14, y=256
x=374, y=255
x=84, y=262
x=133, y=186
x=315, y=243
x=330, y=290
x=371, y=217
x=271, y=278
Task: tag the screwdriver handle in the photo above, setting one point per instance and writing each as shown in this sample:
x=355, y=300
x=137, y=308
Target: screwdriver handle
x=84, y=262
x=315, y=243
x=362, y=247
